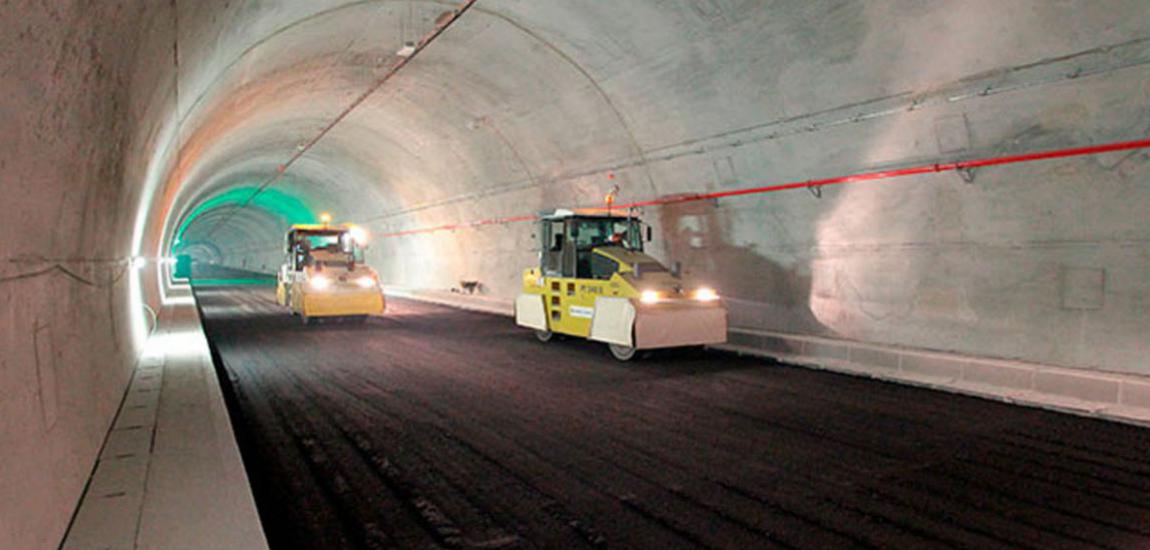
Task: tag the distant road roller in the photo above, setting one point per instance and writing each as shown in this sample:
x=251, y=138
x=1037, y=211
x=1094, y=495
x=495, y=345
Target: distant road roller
x=594, y=281
x=324, y=274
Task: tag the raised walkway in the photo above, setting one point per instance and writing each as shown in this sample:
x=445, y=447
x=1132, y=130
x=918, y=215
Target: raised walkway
x=170, y=475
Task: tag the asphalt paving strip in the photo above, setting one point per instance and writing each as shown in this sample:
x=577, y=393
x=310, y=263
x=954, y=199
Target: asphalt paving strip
x=436, y=427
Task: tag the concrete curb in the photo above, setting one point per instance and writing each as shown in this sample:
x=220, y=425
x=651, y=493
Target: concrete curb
x=1110, y=396
x=1105, y=395
x=170, y=474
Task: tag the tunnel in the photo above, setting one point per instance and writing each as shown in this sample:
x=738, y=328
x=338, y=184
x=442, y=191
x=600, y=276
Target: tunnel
x=924, y=224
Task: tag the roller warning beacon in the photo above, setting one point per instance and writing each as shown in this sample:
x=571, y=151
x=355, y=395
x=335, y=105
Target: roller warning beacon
x=324, y=274
x=594, y=281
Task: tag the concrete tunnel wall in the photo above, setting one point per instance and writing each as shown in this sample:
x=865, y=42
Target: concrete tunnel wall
x=523, y=108
x=527, y=106
x=82, y=108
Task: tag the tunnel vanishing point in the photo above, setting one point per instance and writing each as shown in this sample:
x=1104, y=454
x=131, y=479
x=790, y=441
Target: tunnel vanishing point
x=942, y=194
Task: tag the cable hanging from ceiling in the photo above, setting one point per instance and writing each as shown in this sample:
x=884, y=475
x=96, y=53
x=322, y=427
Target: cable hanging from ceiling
x=442, y=23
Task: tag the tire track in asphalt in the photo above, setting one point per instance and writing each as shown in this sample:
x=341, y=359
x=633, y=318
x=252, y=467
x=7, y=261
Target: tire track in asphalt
x=473, y=435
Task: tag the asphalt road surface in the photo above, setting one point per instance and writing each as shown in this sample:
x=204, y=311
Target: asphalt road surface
x=439, y=427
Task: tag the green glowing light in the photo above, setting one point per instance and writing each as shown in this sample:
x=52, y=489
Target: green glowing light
x=287, y=207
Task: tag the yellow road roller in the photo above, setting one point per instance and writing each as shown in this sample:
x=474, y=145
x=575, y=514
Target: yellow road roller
x=324, y=274
x=594, y=281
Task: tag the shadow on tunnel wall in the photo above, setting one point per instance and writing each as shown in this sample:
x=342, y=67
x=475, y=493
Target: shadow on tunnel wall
x=760, y=292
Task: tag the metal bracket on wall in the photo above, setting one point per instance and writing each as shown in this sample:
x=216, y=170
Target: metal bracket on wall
x=967, y=174
x=816, y=190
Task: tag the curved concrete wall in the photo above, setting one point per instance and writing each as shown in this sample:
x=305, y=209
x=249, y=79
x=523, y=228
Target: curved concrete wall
x=79, y=103
x=125, y=145
x=522, y=108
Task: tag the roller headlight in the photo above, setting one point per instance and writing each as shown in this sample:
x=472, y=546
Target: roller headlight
x=705, y=294
x=319, y=282
x=365, y=282
x=649, y=297
x=358, y=234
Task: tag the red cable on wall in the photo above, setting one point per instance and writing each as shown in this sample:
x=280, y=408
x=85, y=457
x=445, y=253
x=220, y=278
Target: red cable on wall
x=841, y=180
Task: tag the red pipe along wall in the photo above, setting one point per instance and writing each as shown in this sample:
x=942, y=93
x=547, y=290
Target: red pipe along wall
x=815, y=185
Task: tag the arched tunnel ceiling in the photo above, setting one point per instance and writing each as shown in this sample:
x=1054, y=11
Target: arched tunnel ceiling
x=522, y=106
x=443, y=128
x=515, y=96
x=523, y=94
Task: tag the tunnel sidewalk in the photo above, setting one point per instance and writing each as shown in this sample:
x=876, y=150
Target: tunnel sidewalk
x=170, y=473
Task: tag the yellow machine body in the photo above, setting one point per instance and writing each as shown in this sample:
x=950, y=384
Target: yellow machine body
x=610, y=291
x=323, y=275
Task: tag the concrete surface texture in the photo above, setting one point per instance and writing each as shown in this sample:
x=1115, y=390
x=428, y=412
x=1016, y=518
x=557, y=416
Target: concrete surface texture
x=522, y=107
x=133, y=127
x=170, y=473
x=82, y=85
